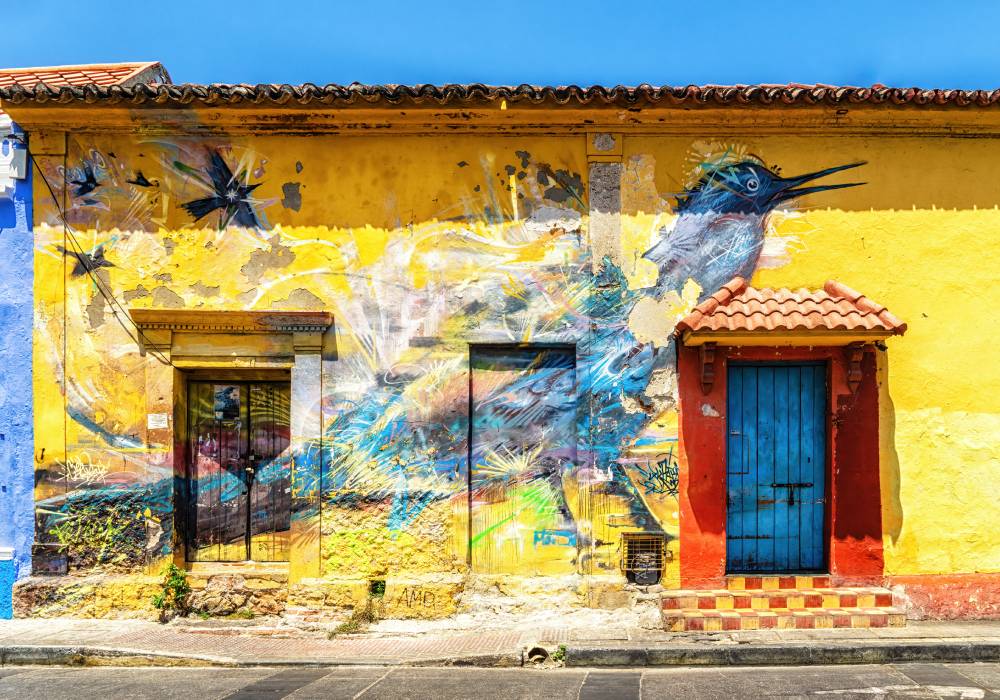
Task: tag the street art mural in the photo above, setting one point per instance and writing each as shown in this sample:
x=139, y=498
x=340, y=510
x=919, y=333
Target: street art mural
x=492, y=403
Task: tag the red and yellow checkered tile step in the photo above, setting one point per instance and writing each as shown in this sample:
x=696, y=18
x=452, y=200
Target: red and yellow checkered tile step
x=773, y=583
x=779, y=602
x=776, y=599
x=735, y=620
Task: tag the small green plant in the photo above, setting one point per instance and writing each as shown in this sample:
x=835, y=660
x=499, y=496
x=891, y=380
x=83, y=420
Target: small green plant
x=173, y=597
x=559, y=654
x=244, y=614
x=203, y=615
x=359, y=619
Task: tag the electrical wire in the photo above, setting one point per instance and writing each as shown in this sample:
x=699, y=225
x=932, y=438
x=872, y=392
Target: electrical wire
x=117, y=310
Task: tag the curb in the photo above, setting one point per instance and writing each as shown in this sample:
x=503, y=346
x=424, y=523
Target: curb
x=813, y=653
x=27, y=655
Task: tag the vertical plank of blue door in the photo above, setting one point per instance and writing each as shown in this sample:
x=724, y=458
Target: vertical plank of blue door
x=817, y=493
x=748, y=480
x=783, y=536
x=765, y=496
x=735, y=464
x=772, y=509
x=808, y=463
x=794, y=462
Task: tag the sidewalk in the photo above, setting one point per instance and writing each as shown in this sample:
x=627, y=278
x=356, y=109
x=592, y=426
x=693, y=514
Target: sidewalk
x=64, y=641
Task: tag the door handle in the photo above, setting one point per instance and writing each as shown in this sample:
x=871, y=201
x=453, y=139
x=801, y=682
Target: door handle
x=791, y=486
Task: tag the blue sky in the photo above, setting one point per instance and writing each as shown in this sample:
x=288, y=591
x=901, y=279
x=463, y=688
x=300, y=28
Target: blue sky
x=924, y=43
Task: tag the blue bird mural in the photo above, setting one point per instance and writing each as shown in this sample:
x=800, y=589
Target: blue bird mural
x=721, y=222
x=376, y=449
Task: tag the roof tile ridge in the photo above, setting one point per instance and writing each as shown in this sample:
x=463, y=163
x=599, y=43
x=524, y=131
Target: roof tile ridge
x=866, y=305
x=707, y=307
x=729, y=291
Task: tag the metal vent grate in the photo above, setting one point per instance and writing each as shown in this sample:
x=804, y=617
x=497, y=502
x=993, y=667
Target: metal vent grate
x=643, y=556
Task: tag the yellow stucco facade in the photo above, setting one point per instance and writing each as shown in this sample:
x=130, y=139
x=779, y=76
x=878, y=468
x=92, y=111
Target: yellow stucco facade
x=428, y=247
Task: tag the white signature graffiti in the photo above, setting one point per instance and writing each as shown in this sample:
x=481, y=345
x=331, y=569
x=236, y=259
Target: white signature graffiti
x=84, y=469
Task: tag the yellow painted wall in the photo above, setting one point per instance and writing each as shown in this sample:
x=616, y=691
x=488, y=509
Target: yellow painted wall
x=920, y=238
x=395, y=236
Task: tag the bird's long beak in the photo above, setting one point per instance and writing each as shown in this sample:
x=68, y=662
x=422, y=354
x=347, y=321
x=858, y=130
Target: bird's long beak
x=789, y=186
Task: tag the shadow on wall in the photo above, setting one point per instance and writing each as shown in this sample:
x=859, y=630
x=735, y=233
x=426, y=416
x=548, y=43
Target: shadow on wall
x=892, y=508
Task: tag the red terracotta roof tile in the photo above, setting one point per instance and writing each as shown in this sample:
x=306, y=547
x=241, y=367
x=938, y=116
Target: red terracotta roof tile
x=739, y=307
x=570, y=96
x=103, y=74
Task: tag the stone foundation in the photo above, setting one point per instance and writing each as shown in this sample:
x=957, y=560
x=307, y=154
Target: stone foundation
x=96, y=595
x=231, y=590
x=262, y=593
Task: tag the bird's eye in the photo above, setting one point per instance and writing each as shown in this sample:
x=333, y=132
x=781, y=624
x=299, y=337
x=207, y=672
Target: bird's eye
x=752, y=184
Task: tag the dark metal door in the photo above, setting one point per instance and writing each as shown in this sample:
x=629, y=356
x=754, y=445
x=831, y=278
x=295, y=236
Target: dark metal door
x=239, y=486
x=776, y=468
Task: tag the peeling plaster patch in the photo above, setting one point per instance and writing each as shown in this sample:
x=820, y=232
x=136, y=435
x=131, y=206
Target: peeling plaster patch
x=662, y=388
x=169, y=245
x=204, y=290
x=708, y=411
x=604, y=142
x=262, y=260
x=299, y=300
x=298, y=166
x=167, y=298
x=652, y=321
x=137, y=293
x=291, y=196
x=567, y=185
x=95, y=310
x=163, y=277
x=259, y=171
x=247, y=298
x=545, y=219
x=605, y=211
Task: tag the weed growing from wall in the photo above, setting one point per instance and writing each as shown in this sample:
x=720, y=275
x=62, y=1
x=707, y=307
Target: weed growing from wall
x=172, y=599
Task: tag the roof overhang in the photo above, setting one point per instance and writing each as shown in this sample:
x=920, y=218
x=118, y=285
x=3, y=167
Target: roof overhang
x=782, y=338
x=359, y=109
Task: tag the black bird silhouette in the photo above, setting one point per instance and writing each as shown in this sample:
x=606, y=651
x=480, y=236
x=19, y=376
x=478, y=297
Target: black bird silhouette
x=232, y=195
x=87, y=262
x=88, y=184
x=140, y=180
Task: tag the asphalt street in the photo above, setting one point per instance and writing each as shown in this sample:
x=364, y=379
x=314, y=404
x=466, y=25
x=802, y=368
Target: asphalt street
x=397, y=683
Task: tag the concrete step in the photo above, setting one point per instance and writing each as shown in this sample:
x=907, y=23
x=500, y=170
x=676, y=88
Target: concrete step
x=781, y=618
x=774, y=583
x=760, y=599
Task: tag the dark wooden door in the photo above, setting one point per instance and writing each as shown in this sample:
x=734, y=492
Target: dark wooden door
x=776, y=468
x=239, y=484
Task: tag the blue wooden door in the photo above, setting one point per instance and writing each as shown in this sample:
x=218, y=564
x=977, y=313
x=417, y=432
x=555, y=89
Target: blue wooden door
x=776, y=468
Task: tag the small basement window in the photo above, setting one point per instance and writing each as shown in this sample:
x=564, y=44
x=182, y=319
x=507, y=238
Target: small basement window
x=643, y=556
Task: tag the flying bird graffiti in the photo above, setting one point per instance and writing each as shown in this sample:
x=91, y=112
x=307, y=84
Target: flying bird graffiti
x=86, y=182
x=230, y=194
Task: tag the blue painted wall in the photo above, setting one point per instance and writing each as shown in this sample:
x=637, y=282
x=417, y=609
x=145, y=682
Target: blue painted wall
x=16, y=424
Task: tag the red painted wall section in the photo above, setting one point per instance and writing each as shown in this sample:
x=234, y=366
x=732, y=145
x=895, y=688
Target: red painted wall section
x=854, y=525
x=856, y=512
x=702, y=477
x=948, y=596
